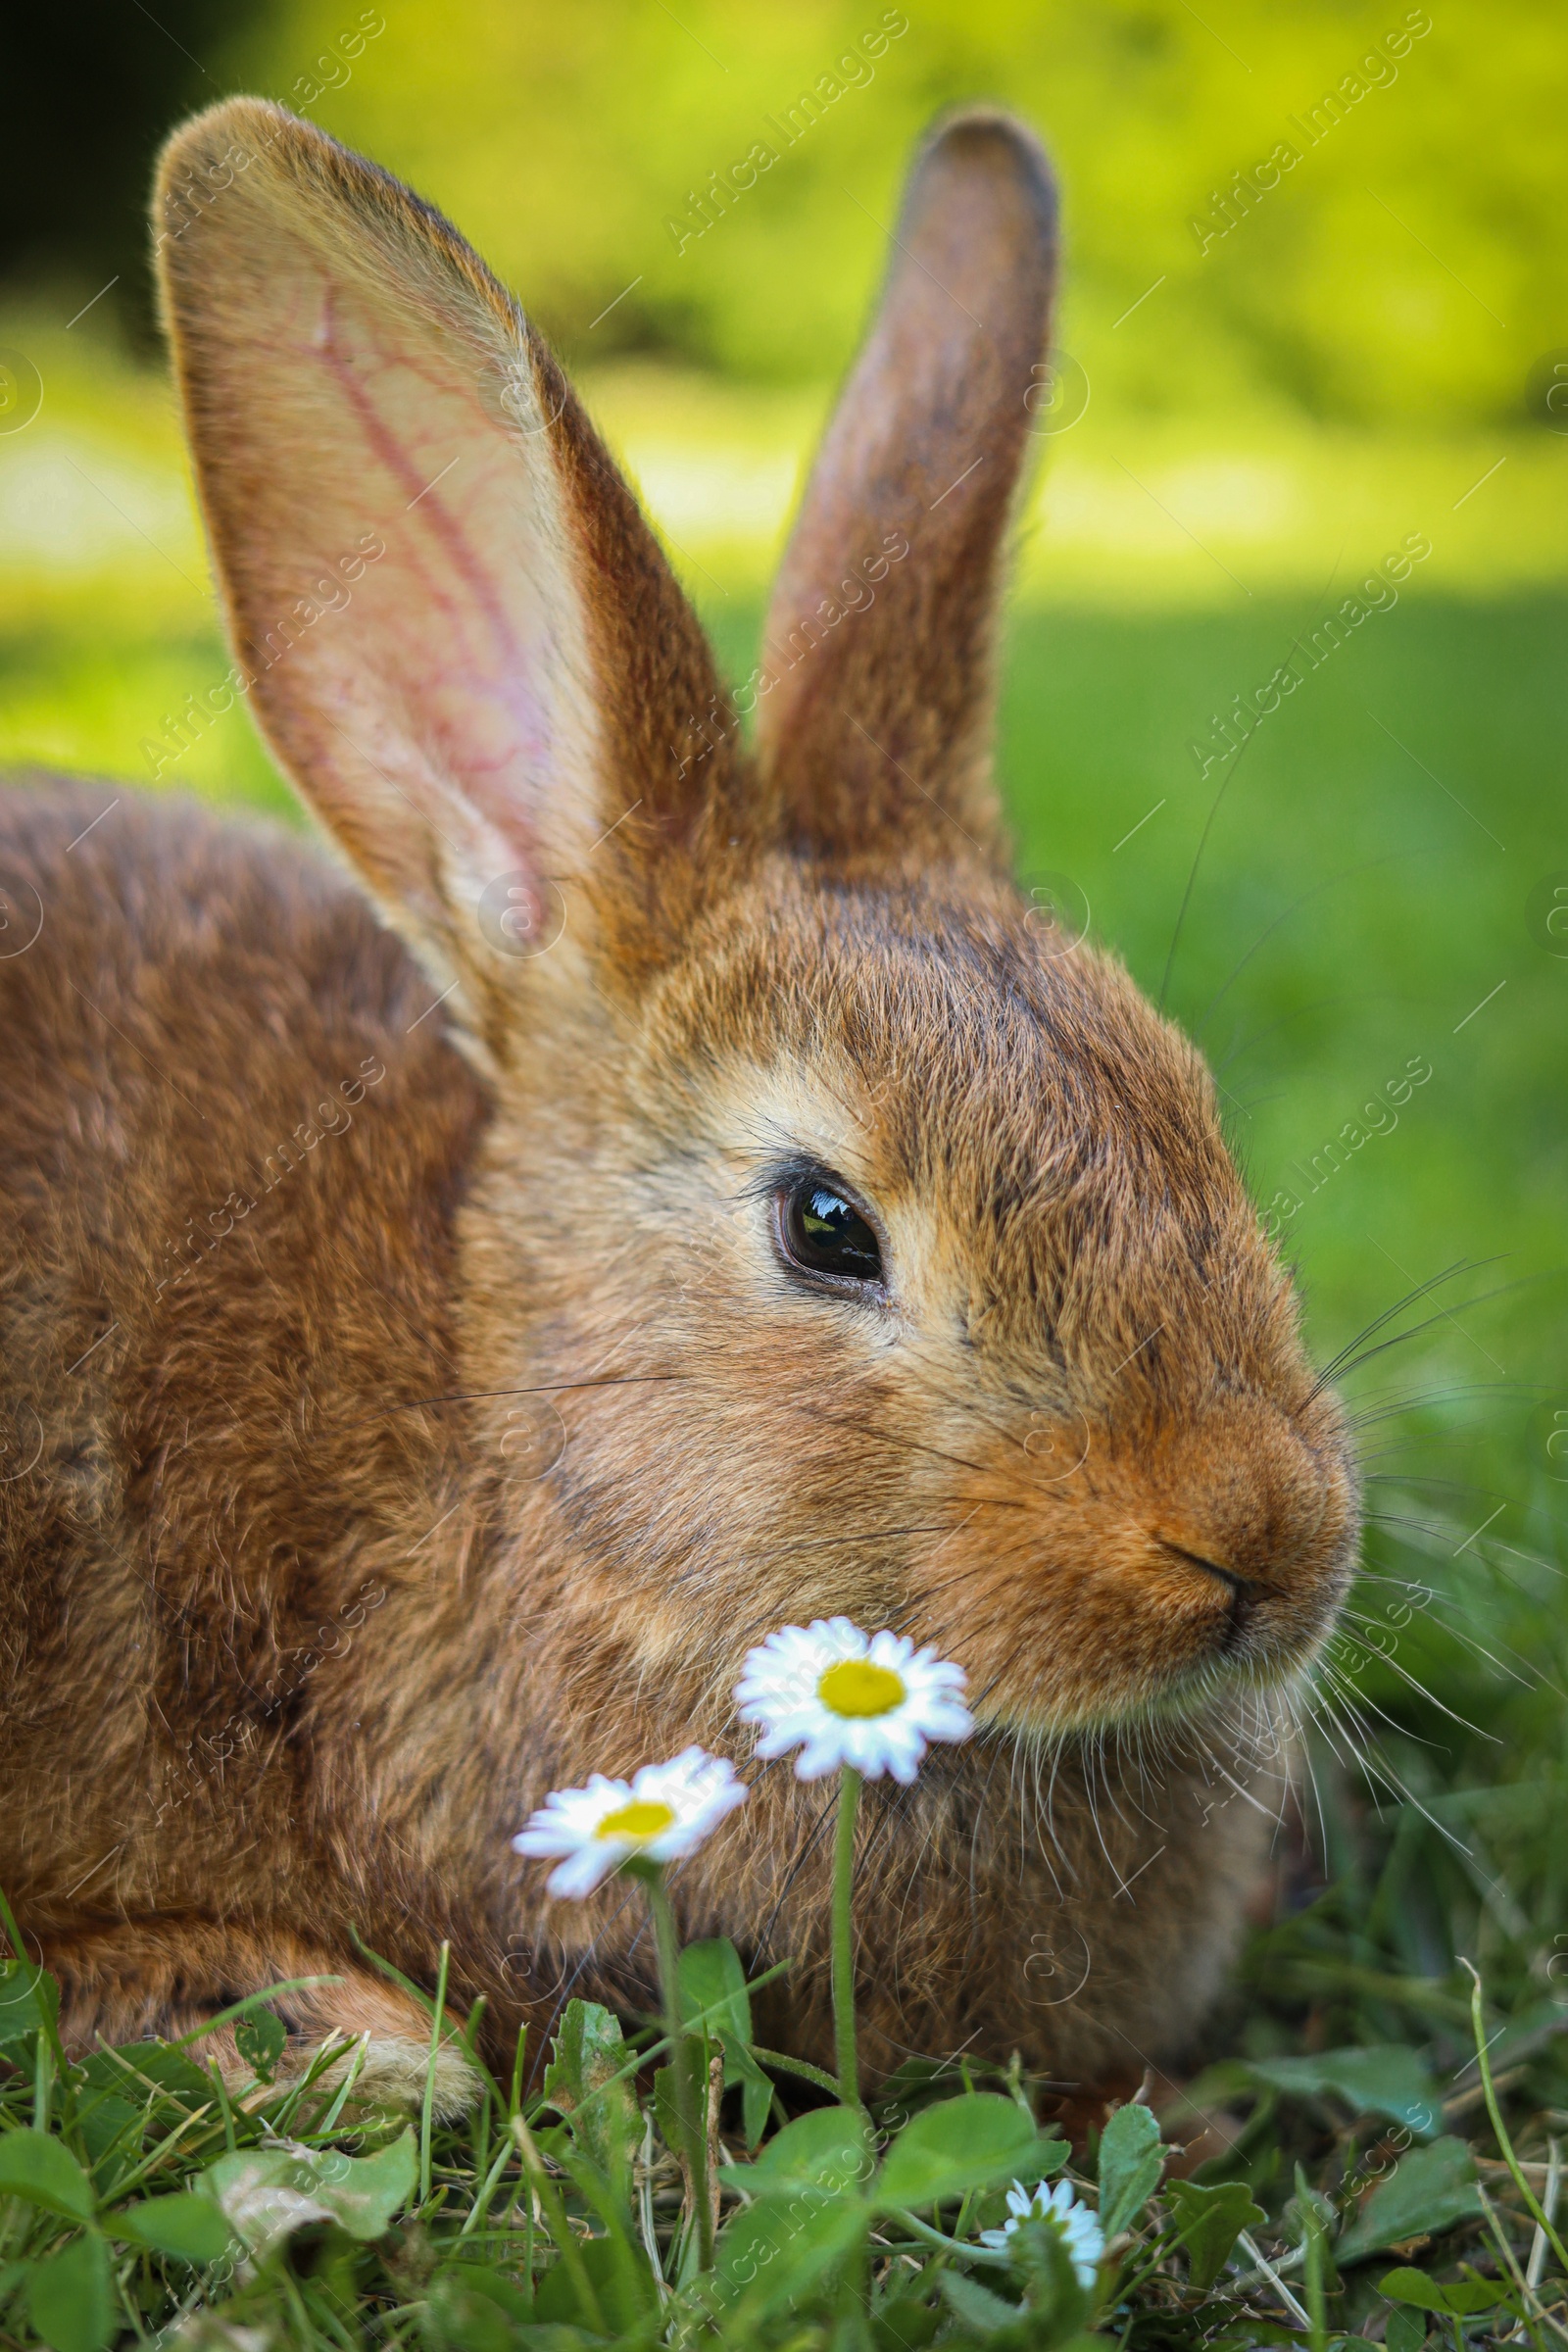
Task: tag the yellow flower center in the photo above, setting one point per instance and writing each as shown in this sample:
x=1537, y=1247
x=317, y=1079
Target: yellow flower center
x=639, y=1820
x=854, y=1686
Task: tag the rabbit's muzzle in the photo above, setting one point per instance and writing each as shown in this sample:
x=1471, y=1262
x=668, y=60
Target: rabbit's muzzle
x=1266, y=1513
x=1169, y=1564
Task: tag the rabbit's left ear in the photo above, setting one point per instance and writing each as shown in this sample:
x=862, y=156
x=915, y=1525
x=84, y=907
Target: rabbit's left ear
x=456, y=627
x=875, y=701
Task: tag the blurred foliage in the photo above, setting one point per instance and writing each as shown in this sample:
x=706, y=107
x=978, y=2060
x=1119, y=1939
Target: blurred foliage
x=1410, y=266
x=1407, y=267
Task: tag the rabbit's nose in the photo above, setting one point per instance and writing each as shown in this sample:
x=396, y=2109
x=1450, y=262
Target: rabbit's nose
x=1244, y=1494
x=1241, y=1590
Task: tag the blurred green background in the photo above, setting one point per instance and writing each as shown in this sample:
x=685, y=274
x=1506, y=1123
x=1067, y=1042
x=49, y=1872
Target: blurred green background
x=1284, y=360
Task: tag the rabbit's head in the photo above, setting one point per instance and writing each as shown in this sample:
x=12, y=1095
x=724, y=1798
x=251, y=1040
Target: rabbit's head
x=847, y=1236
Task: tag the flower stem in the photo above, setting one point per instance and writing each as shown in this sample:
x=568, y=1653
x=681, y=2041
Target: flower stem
x=1477, y=2028
x=693, y=2118
x=555, y=2222
x=844, y=1937
x=986, y=2255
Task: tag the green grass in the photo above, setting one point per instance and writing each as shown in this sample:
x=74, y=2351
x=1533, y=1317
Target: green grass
x=1362, y=887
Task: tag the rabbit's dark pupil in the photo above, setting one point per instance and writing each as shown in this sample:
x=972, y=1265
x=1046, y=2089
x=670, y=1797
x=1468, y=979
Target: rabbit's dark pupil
x=827, y=1236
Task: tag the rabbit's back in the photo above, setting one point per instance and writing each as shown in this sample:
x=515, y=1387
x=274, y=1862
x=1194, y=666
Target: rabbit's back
x=233, y=1142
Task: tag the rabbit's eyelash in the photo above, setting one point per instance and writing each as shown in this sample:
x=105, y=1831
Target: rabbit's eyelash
x=787, y=1168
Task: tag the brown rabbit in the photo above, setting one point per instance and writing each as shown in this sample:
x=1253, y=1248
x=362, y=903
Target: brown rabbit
x=667, y=1192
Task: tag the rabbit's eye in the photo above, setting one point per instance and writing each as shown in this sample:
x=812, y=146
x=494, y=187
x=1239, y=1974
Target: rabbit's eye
x=825, y=1233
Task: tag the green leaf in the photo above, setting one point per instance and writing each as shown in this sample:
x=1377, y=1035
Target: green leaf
x=1130, y=2162
x=907, y=2321
x=1428, y=2191
x=1462, y=2299
x=142, y=2066
x=112, y=2133
x=712, y=1987
x=261, y=2041
x=713, y=1980
x=981, y=2312
x=71, y=2296
x=473, y=2309
x=1466, y=2296
x=757, y=2088
x=185, y=2224
x=1050, y=2277
x=828, y=2149
x=914, y=2082
x=959, y=2144
x=266, y=2194
x=366, y=2193
x=1391, y=2081
x=626, y=2295
x=773, y=2251
x=29, y=2000
x=44, y=2171
x=1255, y=2332
x=589, y=2051
x=1404, y=2332
x=1412, y=2287
x=1209, y=2223
x=692, y=2054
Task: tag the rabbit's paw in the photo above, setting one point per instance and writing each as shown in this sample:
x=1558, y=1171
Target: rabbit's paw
x=385, y=2037
x=167, y=1978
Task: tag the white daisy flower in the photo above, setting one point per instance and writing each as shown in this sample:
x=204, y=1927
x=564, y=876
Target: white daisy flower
x=667, y=1810
x=845, y=1697
x=1078, y=2229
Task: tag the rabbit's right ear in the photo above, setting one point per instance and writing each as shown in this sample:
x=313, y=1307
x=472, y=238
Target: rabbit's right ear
x=874, y=709
x=457, y=631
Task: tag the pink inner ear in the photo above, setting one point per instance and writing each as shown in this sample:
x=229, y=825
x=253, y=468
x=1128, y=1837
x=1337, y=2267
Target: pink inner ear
x=400, y=461
x=447, y=634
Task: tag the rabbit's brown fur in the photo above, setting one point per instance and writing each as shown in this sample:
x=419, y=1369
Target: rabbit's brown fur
x=410, y=1411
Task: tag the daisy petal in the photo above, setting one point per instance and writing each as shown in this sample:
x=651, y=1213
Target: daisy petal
x=665, y=1812
x=844, y=1697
